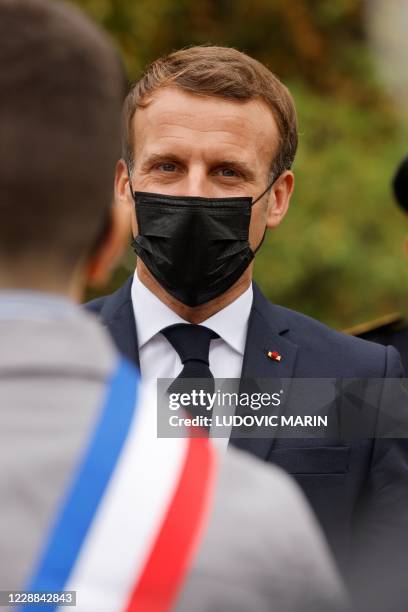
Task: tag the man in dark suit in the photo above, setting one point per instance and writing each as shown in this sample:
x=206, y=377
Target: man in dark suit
x=392, y=329
x=209, y=138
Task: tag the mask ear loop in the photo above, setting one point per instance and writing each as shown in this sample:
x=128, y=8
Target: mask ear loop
x=130, y=183
x=132, y=193
x=269, y=187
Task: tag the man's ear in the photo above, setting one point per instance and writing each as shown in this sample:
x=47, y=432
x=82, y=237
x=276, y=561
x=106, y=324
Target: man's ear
x=103, y=261
x=123, y=195
x=279, y=199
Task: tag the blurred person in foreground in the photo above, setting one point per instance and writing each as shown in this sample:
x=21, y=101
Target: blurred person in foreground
x=391, y=329
x=383, y=586
x=91, y=500
x=209, y=138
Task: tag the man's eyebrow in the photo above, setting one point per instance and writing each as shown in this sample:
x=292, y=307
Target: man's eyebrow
x=159, y=158
x=238, y=165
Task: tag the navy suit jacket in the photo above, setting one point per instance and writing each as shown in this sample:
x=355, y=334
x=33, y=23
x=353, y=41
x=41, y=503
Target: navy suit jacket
x=354, y=487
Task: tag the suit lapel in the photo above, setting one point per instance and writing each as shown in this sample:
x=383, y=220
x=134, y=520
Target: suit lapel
x=266, y=331
x=118, y=316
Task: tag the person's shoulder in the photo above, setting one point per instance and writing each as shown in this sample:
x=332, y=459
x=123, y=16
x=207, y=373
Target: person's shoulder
x=107, y=305
x=96, y=305
x=262, y=544
x=382, y=329
x=270, y=503
x=242, y=470
x=342, y=352
x=387, y=330
x=271, y=495
x=302, y=324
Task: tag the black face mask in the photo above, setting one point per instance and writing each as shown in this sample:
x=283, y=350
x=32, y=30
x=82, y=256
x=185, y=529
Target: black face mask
x=196, y=248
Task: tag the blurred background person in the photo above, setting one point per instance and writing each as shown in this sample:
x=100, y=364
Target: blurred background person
x=91, y=500
x=385, y=587
x=391, y=329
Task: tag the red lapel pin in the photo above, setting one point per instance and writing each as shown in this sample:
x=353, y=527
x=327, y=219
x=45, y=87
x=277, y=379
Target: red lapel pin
x=274, y=355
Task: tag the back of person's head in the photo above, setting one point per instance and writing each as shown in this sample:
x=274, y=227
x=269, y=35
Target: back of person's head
x=62, y=87
x=221, y=72
x=400, y=184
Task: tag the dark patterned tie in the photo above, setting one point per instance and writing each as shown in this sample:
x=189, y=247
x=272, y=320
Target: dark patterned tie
x=192, y=343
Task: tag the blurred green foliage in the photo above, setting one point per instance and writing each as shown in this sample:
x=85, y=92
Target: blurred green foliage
x=338, y=256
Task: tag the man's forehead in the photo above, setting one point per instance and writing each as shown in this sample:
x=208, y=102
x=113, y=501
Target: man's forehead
x=173, y=114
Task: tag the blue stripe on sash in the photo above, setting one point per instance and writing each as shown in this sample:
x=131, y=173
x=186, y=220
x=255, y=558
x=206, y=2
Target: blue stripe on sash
x=88, y=486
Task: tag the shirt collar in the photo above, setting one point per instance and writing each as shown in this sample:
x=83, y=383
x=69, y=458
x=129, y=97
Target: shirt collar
x=23, y=304
x=231, y=323
x=152, y=316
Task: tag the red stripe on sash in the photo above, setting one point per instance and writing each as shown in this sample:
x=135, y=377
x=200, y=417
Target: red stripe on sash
x=169, y=561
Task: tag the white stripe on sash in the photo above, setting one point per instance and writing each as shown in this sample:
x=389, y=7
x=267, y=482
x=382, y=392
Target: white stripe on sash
x=130, y=514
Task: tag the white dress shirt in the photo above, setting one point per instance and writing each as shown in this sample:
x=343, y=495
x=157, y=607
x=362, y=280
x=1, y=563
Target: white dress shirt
x=158, y=359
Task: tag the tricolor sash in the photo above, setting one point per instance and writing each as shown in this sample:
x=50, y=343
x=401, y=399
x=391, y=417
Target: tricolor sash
x=132, y=517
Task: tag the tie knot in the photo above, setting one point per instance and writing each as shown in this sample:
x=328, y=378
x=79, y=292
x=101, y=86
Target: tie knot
x=192, y=342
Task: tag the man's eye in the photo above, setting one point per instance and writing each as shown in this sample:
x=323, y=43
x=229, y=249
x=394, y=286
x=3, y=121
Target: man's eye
x=166, y=167
x=227, y=172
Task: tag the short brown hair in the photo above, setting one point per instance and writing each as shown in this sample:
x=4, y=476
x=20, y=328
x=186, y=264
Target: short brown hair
x=62, y=88
x=222, y=72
